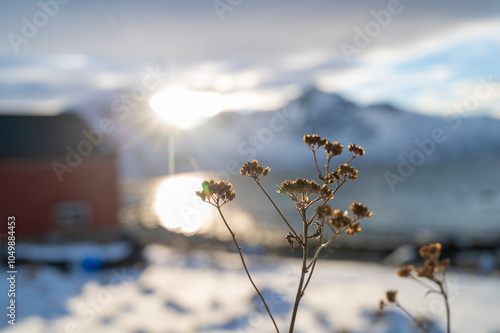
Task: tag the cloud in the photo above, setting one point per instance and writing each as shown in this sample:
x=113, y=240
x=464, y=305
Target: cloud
x=262, y=52
x=461, y=33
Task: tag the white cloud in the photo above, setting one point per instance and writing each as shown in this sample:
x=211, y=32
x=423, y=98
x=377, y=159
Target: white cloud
x=374, y=84
x=433, y=43
x=254, y=49
x=433, y=87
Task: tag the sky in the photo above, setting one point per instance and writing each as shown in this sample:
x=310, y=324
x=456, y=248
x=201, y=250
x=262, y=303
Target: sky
x=427, y=56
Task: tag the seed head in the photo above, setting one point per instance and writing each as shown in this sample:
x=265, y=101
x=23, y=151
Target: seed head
x=431, y=251
x=445, y=263
x=347, y=171
x=333, y=177
x=391, y=296
x=356, y=150
x=359, y=210
x=314, y=141
x=426, y=271
x=353, y=229
x=405, y=271
x=432, y=264
x=326, y=192
x=216, y=193
x=324, y=211
x=333, y=149
x=299, y=186
x=290, y=240
x=254, y=170
x=339, y=220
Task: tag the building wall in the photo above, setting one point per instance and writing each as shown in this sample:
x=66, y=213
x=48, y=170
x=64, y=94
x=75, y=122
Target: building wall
x=30, y=189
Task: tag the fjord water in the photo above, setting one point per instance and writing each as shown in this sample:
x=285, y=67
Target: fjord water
x=437, y=202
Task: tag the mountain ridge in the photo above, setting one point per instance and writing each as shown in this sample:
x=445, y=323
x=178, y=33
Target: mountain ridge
x=388, y=134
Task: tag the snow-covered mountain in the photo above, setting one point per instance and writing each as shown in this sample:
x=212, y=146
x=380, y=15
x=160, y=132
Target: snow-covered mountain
x=388, y=134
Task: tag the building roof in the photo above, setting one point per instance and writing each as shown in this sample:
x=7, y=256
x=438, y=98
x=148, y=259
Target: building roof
x=31, y=136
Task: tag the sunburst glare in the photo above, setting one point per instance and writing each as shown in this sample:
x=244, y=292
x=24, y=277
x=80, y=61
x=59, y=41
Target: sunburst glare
x=185, y=108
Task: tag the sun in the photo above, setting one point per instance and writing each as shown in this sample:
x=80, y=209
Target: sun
x=186, y=108
x=177, y=206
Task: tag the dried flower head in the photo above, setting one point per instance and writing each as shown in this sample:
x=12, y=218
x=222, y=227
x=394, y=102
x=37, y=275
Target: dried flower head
x=431, y=263
x=391, y=296
x=445, y=263
x=325, y=192
x=435, y=271
x=324, y=211
x=332, y=177
x=356, y=150
x=314, y=141
x=347, y=171
x=431, y=266
x=431, y=251
x=299, y=188
x=405, y=271
x=339, y=220
x=290, y=240
x=353, y=229
x=254, y=170
x=426, y=272
x=333, y=149
x=216, y=193
x=359, y=210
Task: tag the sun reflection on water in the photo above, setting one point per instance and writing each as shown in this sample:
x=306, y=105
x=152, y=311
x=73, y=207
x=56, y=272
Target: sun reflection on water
x=178, y=208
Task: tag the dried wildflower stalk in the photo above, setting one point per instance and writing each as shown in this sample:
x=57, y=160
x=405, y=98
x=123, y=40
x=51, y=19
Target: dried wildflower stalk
x=310, y=200
x=432, y=275
x=217, y=194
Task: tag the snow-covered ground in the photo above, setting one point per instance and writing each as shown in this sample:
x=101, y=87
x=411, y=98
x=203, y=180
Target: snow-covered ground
x=209, y=292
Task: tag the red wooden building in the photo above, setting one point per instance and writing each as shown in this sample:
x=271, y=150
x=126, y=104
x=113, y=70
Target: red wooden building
x=57, y=177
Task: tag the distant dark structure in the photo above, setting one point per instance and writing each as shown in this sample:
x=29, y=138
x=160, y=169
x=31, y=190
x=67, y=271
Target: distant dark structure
x=58, y=178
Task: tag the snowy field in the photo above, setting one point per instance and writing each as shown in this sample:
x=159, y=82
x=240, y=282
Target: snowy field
x=209, y=292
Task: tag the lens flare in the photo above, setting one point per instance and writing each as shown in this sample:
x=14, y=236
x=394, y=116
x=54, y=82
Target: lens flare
x=179, y=209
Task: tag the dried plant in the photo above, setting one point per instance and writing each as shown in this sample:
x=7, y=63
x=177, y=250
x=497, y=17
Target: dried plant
x=311, y=202
x=432, y=275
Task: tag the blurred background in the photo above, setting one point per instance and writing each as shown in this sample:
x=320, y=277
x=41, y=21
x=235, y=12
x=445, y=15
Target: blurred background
x=112, y=113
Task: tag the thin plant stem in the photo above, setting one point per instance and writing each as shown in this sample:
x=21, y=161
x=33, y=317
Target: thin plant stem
x=300, y=291
x=320, y=175
x=221, y=191
x=423, y=328
x=422, y=283
x=337, y=234
x=445, y=296
x=278, y=210
x=320, y=239
x=328, y=199
x=233, y=235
